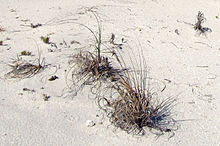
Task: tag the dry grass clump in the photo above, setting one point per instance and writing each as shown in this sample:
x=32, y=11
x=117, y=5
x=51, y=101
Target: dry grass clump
x=135, y=107
x=87, y=68
x=99, y=68
x=134, y=103
x=23, y=70
x=90, y=67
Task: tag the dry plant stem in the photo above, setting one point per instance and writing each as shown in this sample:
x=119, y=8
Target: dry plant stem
x=198, y=26
x=200, y=20
x=98, y=38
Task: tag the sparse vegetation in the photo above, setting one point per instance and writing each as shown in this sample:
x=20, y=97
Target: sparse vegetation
x=135, y=108
x=130, y=105
x=1, y=43
x=46, y=97
x=198, y=25
x=52, y=78
x=87, y=67
x=200, y=19
x=22, y=69
x=25, y=53
x=36, y=25
x=46, y=39
x=86, y=70
x=29, y=90
x=133, y=105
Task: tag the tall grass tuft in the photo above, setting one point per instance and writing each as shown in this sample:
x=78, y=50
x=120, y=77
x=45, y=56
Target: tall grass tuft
x=134, y=105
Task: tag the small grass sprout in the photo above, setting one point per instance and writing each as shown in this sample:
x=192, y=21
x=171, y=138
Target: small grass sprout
x=25, y=53
x=45, y=39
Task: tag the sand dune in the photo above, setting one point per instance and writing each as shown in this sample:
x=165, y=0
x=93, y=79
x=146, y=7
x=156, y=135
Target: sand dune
x=186, y=61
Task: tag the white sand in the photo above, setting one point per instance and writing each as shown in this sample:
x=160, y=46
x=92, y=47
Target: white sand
x=190, y=61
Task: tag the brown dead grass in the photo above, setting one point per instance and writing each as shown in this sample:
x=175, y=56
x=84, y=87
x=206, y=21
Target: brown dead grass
x=86, y=69
x=23, y=70
x=133, y=105
x=135, y=108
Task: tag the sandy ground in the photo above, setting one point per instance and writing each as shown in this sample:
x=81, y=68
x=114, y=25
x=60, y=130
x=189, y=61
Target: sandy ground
x=188, y=63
